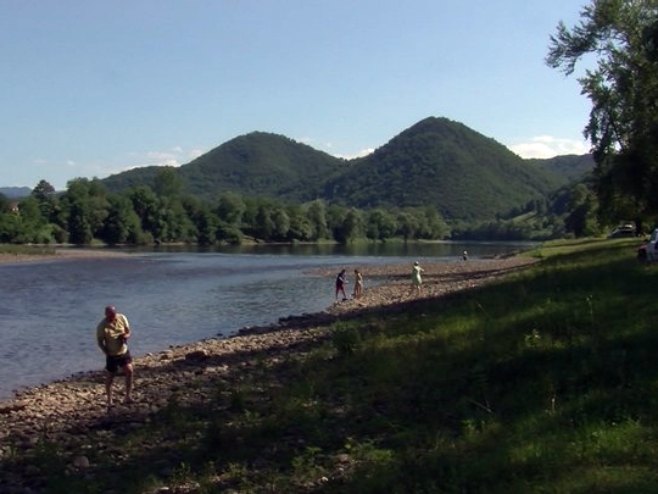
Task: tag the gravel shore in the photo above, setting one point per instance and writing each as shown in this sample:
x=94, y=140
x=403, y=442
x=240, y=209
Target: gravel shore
x=60, y=255
x=72, y=411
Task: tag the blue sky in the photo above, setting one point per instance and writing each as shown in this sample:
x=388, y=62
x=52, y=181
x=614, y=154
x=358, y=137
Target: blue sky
x=90, y=87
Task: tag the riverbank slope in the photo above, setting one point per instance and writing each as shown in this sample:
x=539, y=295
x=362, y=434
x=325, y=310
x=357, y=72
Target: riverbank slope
x=67, y=411
x=503, y=381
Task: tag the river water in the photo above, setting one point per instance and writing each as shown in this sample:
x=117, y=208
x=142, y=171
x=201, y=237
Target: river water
x=49, y=310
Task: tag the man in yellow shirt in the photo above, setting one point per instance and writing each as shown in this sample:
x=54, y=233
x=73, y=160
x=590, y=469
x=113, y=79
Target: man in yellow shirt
x=112, y=334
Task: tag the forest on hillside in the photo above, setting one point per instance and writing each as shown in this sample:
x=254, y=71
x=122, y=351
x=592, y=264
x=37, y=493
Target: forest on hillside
x=87, y=213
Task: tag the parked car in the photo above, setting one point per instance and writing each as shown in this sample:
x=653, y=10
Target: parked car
x=647, y=252
x=623, y=230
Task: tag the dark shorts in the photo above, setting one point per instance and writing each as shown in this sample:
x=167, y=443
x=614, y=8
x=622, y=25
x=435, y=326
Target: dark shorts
x=112, y=364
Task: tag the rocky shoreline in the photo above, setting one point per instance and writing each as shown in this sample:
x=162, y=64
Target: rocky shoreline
x=72, y=412
x=60, y=255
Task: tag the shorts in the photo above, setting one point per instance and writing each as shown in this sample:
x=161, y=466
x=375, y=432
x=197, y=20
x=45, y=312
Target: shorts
x=112, y=363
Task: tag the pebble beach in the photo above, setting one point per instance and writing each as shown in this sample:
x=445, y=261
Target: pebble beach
x=73, y=413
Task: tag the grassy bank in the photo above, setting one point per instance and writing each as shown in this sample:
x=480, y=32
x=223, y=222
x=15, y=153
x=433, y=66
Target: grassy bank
x=545, y=382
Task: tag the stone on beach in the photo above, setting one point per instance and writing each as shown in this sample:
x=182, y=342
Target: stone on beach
x=72, y=411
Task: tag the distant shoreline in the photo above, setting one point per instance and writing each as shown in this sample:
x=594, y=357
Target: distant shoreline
x=61, y=254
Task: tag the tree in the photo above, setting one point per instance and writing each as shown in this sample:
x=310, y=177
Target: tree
x=206, y=224
x=230, y=208
x=407, y=225
x=622, y=36
x=4, y=204
x=380, y=225
x=281, y=224
x=147, y=206
x=301, y=227
x=352, y=226
x=264, y=224
x=317, y=217
x=122, y=224
x=581, y=220
x=85, y=207
x=44, y=193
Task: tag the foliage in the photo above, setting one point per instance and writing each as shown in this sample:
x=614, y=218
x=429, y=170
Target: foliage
x=445, y=165
x=572, y=168
x=86, y=212
x=622, y=37
x=436, y=163
x=261, y=164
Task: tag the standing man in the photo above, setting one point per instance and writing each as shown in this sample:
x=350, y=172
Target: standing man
x=112, y=334
x=416, y=278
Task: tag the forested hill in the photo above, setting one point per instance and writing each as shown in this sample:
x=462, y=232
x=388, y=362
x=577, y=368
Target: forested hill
x=15, y=192
x=255, y=164
x=442, y=163
x=262, y=164
x=571, y=167
x=436, y=162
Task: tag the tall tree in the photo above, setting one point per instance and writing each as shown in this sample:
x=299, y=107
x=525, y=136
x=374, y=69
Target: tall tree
x=44, y=193
x=122, y=224
x=317, y=215
x=380, y=224
x=622, y=37
x=85, y=207
x=230, y=208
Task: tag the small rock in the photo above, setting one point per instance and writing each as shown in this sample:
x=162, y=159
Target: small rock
x=196, y=355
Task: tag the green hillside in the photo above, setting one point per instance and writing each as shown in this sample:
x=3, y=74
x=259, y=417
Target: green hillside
x=256, y=164
x=570, y=167
x=15, y=192
x=444, y=164
x=261, y=164
x=436, y=162
x=132, y=178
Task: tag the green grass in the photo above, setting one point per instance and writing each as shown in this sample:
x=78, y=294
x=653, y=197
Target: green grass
x=546, y=383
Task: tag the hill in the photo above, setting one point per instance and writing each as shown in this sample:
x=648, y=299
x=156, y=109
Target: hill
x=436, y=162
x=570, y=167
x=445, y=164
x=262, y=164
x=255, y=164
x=15, y=192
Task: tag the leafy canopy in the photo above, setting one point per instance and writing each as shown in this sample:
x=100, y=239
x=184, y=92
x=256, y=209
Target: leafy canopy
x=622, y=38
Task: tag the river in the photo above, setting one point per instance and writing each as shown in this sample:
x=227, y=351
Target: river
x=49, y=309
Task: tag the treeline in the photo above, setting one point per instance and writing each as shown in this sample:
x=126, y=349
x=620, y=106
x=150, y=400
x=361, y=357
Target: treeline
x=86, y=213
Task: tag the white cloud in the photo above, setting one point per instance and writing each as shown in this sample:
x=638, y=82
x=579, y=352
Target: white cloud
x=328, y=147
x=548, y=147
x=194, y=153
x=358, y=154
x=163, y=158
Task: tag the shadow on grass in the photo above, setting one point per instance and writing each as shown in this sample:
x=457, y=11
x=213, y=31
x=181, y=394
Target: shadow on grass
x=542, y=383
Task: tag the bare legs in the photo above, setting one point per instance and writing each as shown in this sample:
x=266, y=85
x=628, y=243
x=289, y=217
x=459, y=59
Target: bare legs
x=109, y=380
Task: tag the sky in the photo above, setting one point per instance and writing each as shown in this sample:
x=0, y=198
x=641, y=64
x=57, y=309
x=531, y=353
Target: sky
x=90, y=88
